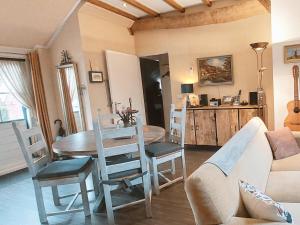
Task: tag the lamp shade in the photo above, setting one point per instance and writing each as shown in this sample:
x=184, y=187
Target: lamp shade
x=259, y=45
x=187, y=88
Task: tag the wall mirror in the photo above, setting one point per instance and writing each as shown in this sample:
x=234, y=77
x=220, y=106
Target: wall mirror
x=70, y=95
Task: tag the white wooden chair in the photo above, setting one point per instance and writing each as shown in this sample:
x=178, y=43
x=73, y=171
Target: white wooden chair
x=113, y=142
x=46, y=173
x=168, y=151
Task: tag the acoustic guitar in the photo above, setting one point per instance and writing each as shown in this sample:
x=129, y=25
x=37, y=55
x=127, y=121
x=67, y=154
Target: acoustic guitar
x=293, y=118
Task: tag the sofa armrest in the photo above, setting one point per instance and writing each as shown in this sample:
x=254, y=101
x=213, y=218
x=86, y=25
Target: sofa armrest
x=297, y=136
x=251, y=221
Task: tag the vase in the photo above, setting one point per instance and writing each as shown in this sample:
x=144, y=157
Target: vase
x=126, y=123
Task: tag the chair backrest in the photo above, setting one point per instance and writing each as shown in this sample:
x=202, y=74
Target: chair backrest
x=119, y=141
x=33, y=146
x=177, y=125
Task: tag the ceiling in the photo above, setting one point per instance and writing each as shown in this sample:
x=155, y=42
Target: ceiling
x=158, y=6
x=27, y=23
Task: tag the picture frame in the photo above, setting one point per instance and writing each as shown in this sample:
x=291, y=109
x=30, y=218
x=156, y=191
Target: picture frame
x=227, y=100
x=96, y=76
x=215, y=70
x=292, y=53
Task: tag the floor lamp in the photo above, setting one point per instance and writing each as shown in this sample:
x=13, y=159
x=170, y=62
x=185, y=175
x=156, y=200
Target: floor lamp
x=259, y=49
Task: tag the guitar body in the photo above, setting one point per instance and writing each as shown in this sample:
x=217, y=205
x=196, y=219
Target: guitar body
x=293, y=118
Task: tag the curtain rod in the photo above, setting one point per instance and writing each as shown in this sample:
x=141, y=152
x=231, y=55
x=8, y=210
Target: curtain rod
x=12, y=53
x=12, y=59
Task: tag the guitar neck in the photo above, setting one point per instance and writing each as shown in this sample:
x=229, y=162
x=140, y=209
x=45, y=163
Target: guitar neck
x=296, y=78
x=296, y=89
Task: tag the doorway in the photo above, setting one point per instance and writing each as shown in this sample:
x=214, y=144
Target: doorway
x=157, y=89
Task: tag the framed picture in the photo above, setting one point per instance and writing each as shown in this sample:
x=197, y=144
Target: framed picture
x=96, y=76
x=215, y=70
x=292, y=54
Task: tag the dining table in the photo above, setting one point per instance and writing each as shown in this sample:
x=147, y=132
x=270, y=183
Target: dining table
x=84, y=144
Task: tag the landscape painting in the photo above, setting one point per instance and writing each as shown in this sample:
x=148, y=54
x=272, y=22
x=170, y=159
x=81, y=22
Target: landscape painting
x=292, y=54
x=215, y=70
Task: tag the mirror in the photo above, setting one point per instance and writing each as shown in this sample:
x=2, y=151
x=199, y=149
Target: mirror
x=70, y=95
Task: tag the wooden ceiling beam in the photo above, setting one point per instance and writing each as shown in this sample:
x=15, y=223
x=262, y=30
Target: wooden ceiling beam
x=112, y=9
x=266, y=4
x=207, y=2
x=239, y=10
x=175, y=5
x=142, y=7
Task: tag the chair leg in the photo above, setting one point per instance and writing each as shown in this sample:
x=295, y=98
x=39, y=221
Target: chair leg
x=183, y=165
x=173, y=167
x=85, y=200
x=55, y=195
x=95, y=178
x=108, y=204
x=147, y=193
x=40, y=201
x=155, y=175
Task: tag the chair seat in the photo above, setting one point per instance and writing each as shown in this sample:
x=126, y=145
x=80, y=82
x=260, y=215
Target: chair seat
x=157, y=149
x=64, y=168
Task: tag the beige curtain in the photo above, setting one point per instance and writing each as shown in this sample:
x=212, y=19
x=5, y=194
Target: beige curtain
x=40, y=99
x=17, y=79
x=68, y=102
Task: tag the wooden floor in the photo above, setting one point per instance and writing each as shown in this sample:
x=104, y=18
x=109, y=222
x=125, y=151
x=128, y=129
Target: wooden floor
x=171, y=207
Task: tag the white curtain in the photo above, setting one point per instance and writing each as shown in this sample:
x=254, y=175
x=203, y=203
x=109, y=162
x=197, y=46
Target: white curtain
x=71, y=79
x=17, y=79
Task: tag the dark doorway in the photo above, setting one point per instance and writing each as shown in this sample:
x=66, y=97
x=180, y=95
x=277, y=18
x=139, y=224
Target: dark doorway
x=151, y=80
x=157, y=89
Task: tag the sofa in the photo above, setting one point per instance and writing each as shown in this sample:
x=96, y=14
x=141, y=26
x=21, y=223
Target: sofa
x=215, y=197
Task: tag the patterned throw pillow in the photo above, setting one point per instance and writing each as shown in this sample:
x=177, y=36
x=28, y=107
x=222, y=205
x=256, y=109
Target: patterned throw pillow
x=261, y=206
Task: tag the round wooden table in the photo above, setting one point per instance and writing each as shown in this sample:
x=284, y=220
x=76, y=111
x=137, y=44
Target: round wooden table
x=84, y=143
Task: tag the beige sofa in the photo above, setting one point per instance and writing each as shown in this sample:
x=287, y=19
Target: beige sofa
x=215, y=198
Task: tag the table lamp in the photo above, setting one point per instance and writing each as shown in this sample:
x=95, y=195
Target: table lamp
x=187, y=89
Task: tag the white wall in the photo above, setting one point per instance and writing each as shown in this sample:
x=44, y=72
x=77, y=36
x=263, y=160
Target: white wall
x=101, y=30
x=285, y=31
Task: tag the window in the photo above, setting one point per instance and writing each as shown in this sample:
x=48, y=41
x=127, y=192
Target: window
x=10, y=108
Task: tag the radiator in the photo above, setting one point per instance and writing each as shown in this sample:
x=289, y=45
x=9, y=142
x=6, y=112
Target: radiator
x=11, y=157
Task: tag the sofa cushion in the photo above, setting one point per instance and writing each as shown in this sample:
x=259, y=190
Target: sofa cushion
x=261, y=206
x=283, y=143
x=284, y=186
x=251, y=221
x=215, y=197
x=157, y=149
x=291, y=163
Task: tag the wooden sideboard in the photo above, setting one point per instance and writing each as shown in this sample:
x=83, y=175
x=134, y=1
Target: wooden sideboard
x=216, y=125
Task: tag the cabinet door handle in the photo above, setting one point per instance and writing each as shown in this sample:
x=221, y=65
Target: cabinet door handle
x=192, y=128
x=197, y=127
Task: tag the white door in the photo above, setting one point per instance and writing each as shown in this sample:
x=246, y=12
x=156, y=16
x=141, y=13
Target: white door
x=125, y=80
